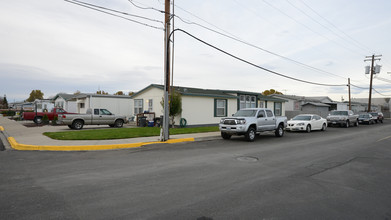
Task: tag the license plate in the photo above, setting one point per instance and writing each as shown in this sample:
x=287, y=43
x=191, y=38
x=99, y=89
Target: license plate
x=228, y=128
x=334, y=122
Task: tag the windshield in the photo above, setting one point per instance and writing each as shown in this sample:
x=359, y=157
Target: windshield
x=373, y=113
x=339, y=113
x=364, y=116
x=245, y=113
x=302, y=118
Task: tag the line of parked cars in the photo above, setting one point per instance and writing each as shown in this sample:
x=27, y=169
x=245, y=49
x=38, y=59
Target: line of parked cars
x=371, y=118
x=252, y=121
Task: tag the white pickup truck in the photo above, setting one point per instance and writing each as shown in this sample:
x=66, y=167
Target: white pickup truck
x=93, y=117
x=250, y=121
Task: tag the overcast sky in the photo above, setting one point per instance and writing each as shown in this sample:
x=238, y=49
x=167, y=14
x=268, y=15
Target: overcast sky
x=56, y=46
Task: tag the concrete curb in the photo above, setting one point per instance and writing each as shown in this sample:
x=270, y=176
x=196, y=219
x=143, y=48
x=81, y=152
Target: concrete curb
x=17, y=146
x=4, y=144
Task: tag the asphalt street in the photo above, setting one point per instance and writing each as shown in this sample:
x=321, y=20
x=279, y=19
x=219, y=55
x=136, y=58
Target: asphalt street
x=341, y=173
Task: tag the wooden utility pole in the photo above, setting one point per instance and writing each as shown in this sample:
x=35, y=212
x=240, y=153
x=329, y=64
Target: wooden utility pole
x=350, y=101
x=164, y=134
x=372, y=58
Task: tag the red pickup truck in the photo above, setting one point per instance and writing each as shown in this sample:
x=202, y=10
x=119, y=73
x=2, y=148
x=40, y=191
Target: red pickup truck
x=37, y=116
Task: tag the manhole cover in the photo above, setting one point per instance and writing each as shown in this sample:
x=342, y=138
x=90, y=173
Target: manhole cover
x=247, y=159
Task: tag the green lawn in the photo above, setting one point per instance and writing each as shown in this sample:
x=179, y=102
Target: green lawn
x=120, y=133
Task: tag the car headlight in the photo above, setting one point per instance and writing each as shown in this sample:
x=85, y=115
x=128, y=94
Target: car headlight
x=240, y=121
x=300, y=124
x=222, y=121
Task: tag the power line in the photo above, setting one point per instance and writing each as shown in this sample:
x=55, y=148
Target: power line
x=310, y=29
x=120, y=12
x=316, y=21
x=362, y=46
x=145, y=8
x=252, y=64
x=119, y=16
x=233, y=37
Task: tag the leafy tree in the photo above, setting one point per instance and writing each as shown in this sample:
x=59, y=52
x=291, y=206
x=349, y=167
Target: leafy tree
x=35, y=94
x=271, y=92
x=5, y=102
x=101, y=92
x=119, y=93
x=77, y=92
x=130, y=93
x=175, y=105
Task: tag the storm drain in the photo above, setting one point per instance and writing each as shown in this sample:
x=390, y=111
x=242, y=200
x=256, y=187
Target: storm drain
x=247, y=159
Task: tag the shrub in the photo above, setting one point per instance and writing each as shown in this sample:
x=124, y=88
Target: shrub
x=45, y=120
x=55, y=119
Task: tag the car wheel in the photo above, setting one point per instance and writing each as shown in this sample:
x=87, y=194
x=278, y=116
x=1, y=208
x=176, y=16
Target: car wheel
x=347, y=124
x=38, y=120
x=119, y=123
x=279, y=131
x=78, y=124
x=250, y=134
x=308, y=129
x=323, y=127
x=225, y=136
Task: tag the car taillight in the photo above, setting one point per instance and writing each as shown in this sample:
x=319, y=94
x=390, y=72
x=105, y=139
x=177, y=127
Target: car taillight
x=63, y=116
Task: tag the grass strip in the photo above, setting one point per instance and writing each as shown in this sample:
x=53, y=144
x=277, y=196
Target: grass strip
x=121, y=133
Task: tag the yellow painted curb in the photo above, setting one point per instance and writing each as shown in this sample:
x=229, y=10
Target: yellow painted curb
x=1, y=128
x=15, y=145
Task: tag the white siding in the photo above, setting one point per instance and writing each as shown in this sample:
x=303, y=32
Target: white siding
x=69, y=106
x=156, y=95
x=197, y=110
x=200, y=110
x=117, y=106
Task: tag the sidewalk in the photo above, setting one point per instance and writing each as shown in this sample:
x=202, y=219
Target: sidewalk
x=31, y=138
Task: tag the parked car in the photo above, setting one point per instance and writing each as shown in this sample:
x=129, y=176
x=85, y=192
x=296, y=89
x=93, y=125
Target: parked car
x=377, y=116
x=344, y=118
x=93, y=117
x=366, y=118
x=307, y=122
x=38, y=116
x=250, y=121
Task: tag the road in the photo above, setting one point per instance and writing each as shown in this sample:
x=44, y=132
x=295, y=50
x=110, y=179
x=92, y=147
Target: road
x=342, y=173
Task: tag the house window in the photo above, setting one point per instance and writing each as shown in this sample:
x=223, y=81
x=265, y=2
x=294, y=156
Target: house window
x=247, y=101
x=220, y=108
x=261, y=104
x=150, y=105
x=242, y=101
x=82, y=105
x=138, y=106
x=277, y=108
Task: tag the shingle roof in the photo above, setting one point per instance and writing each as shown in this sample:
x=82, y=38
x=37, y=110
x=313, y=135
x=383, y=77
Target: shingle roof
x=316, y=104
x=188, y=91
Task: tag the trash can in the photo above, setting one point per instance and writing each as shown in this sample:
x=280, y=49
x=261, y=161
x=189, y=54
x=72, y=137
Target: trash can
x=142, y=121
x=150, y=124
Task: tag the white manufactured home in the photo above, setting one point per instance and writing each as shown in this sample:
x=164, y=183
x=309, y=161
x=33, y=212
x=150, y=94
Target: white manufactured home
x=203, y=106
x=66, y=102
x=116, y=104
